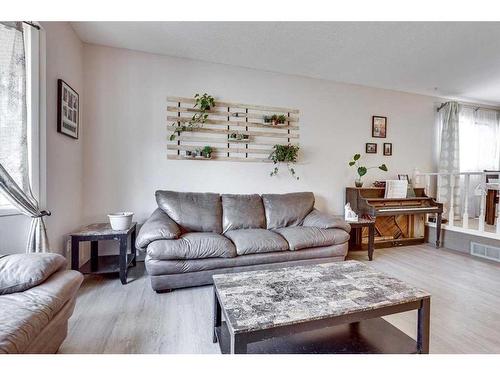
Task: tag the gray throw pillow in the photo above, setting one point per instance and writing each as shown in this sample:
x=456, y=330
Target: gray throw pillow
x=19, y=272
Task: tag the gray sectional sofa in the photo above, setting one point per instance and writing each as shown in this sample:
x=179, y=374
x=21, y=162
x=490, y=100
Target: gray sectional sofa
x=37, y=297
x=192, y=236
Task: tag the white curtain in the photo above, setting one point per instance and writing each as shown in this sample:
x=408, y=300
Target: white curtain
x=14, y=171
x=479, y=148
x=449, y=157
x=13, y=130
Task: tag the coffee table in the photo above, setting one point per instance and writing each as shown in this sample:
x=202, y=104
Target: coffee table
x=332, y=307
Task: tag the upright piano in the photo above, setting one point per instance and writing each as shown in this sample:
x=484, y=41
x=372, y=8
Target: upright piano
x=398, y=222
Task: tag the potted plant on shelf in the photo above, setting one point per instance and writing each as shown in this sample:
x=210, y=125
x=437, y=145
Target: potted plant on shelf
x=285, y=154
x=281, y=119
x=204, y=103
x=238, y=137
x=362, y=170
x=274, y=119
x=207, y=152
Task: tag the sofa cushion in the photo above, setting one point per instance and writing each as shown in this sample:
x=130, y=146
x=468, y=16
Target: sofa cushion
x=24, y=315
x=242, y=212
x=286, y=210
x=323, y=220
x=159, y=268
x=159, y=226
x=252, y=241
x=19, y=272
x=192, y=246
x=307, y=237
x=193, y=212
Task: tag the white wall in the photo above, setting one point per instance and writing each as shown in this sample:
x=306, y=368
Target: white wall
x=64, y=156
x=125, y=137
x=120, y=158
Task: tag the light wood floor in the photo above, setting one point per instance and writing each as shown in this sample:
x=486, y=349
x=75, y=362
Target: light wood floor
x=111, y=318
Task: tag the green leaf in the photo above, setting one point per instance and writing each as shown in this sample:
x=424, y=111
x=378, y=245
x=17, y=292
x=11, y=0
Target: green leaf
x=172, y=137
x=356, y=157
x=362, y=171
x=383, y=167
x=351, y=163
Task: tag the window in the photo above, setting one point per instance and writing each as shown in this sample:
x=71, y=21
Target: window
x=479, y=139
x=32, y=58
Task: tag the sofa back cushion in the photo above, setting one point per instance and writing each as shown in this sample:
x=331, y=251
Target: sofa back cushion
x=193, y=212
x=287, y=210
x=242, y=212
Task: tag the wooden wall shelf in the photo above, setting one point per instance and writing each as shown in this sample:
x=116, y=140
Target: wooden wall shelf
x=226, y=118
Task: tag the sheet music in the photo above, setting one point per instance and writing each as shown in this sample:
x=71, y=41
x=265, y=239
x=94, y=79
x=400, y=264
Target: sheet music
x=396, y=188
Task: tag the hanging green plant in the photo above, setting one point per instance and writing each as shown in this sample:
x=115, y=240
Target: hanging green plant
x=285, y=154
x=204, y=103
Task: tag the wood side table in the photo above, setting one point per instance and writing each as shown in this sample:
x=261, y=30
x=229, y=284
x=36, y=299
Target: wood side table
x=355, y=242
x=104, y=263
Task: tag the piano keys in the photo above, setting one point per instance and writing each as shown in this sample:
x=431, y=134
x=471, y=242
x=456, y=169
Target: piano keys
x=398, y=222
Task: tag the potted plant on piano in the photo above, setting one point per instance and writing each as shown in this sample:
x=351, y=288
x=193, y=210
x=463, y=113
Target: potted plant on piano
x=362, y=170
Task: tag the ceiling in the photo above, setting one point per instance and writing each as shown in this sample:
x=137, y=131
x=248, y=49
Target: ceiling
x=449, y=59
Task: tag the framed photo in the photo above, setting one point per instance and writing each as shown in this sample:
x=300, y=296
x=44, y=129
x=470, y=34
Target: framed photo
x=387, y=149
x=379, y=127
x=371, y=148
x=68, y=110
x=403, y=177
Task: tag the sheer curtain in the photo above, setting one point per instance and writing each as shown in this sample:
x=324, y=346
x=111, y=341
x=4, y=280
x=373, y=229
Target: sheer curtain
x=13, y=130
x=14, y=170
x=479, y=148
x=449, y=156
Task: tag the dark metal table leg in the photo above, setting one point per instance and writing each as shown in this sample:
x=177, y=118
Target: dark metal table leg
x=94, y=254
x=75, y=253
x=132, y=247
x=371, y=240
x=238, y=344
x=438, y=229
x=423, y=326
x=123, y=259
x=217, y=317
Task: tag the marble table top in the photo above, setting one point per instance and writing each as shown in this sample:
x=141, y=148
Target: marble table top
x=263, y=299
x=101, y=229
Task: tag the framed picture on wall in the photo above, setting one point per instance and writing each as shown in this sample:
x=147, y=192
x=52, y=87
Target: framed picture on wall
x=387, y=149
x=379, y=127
x=68, y=110
x=371, y=148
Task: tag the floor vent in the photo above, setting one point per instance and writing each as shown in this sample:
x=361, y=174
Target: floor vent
x=485, y=251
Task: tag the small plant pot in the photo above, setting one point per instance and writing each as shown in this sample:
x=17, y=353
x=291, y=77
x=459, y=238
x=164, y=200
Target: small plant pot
x=358, y=183
x=274, y=122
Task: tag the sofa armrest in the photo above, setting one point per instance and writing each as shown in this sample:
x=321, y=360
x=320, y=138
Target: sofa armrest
x=325, y=221
x=159, y=226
